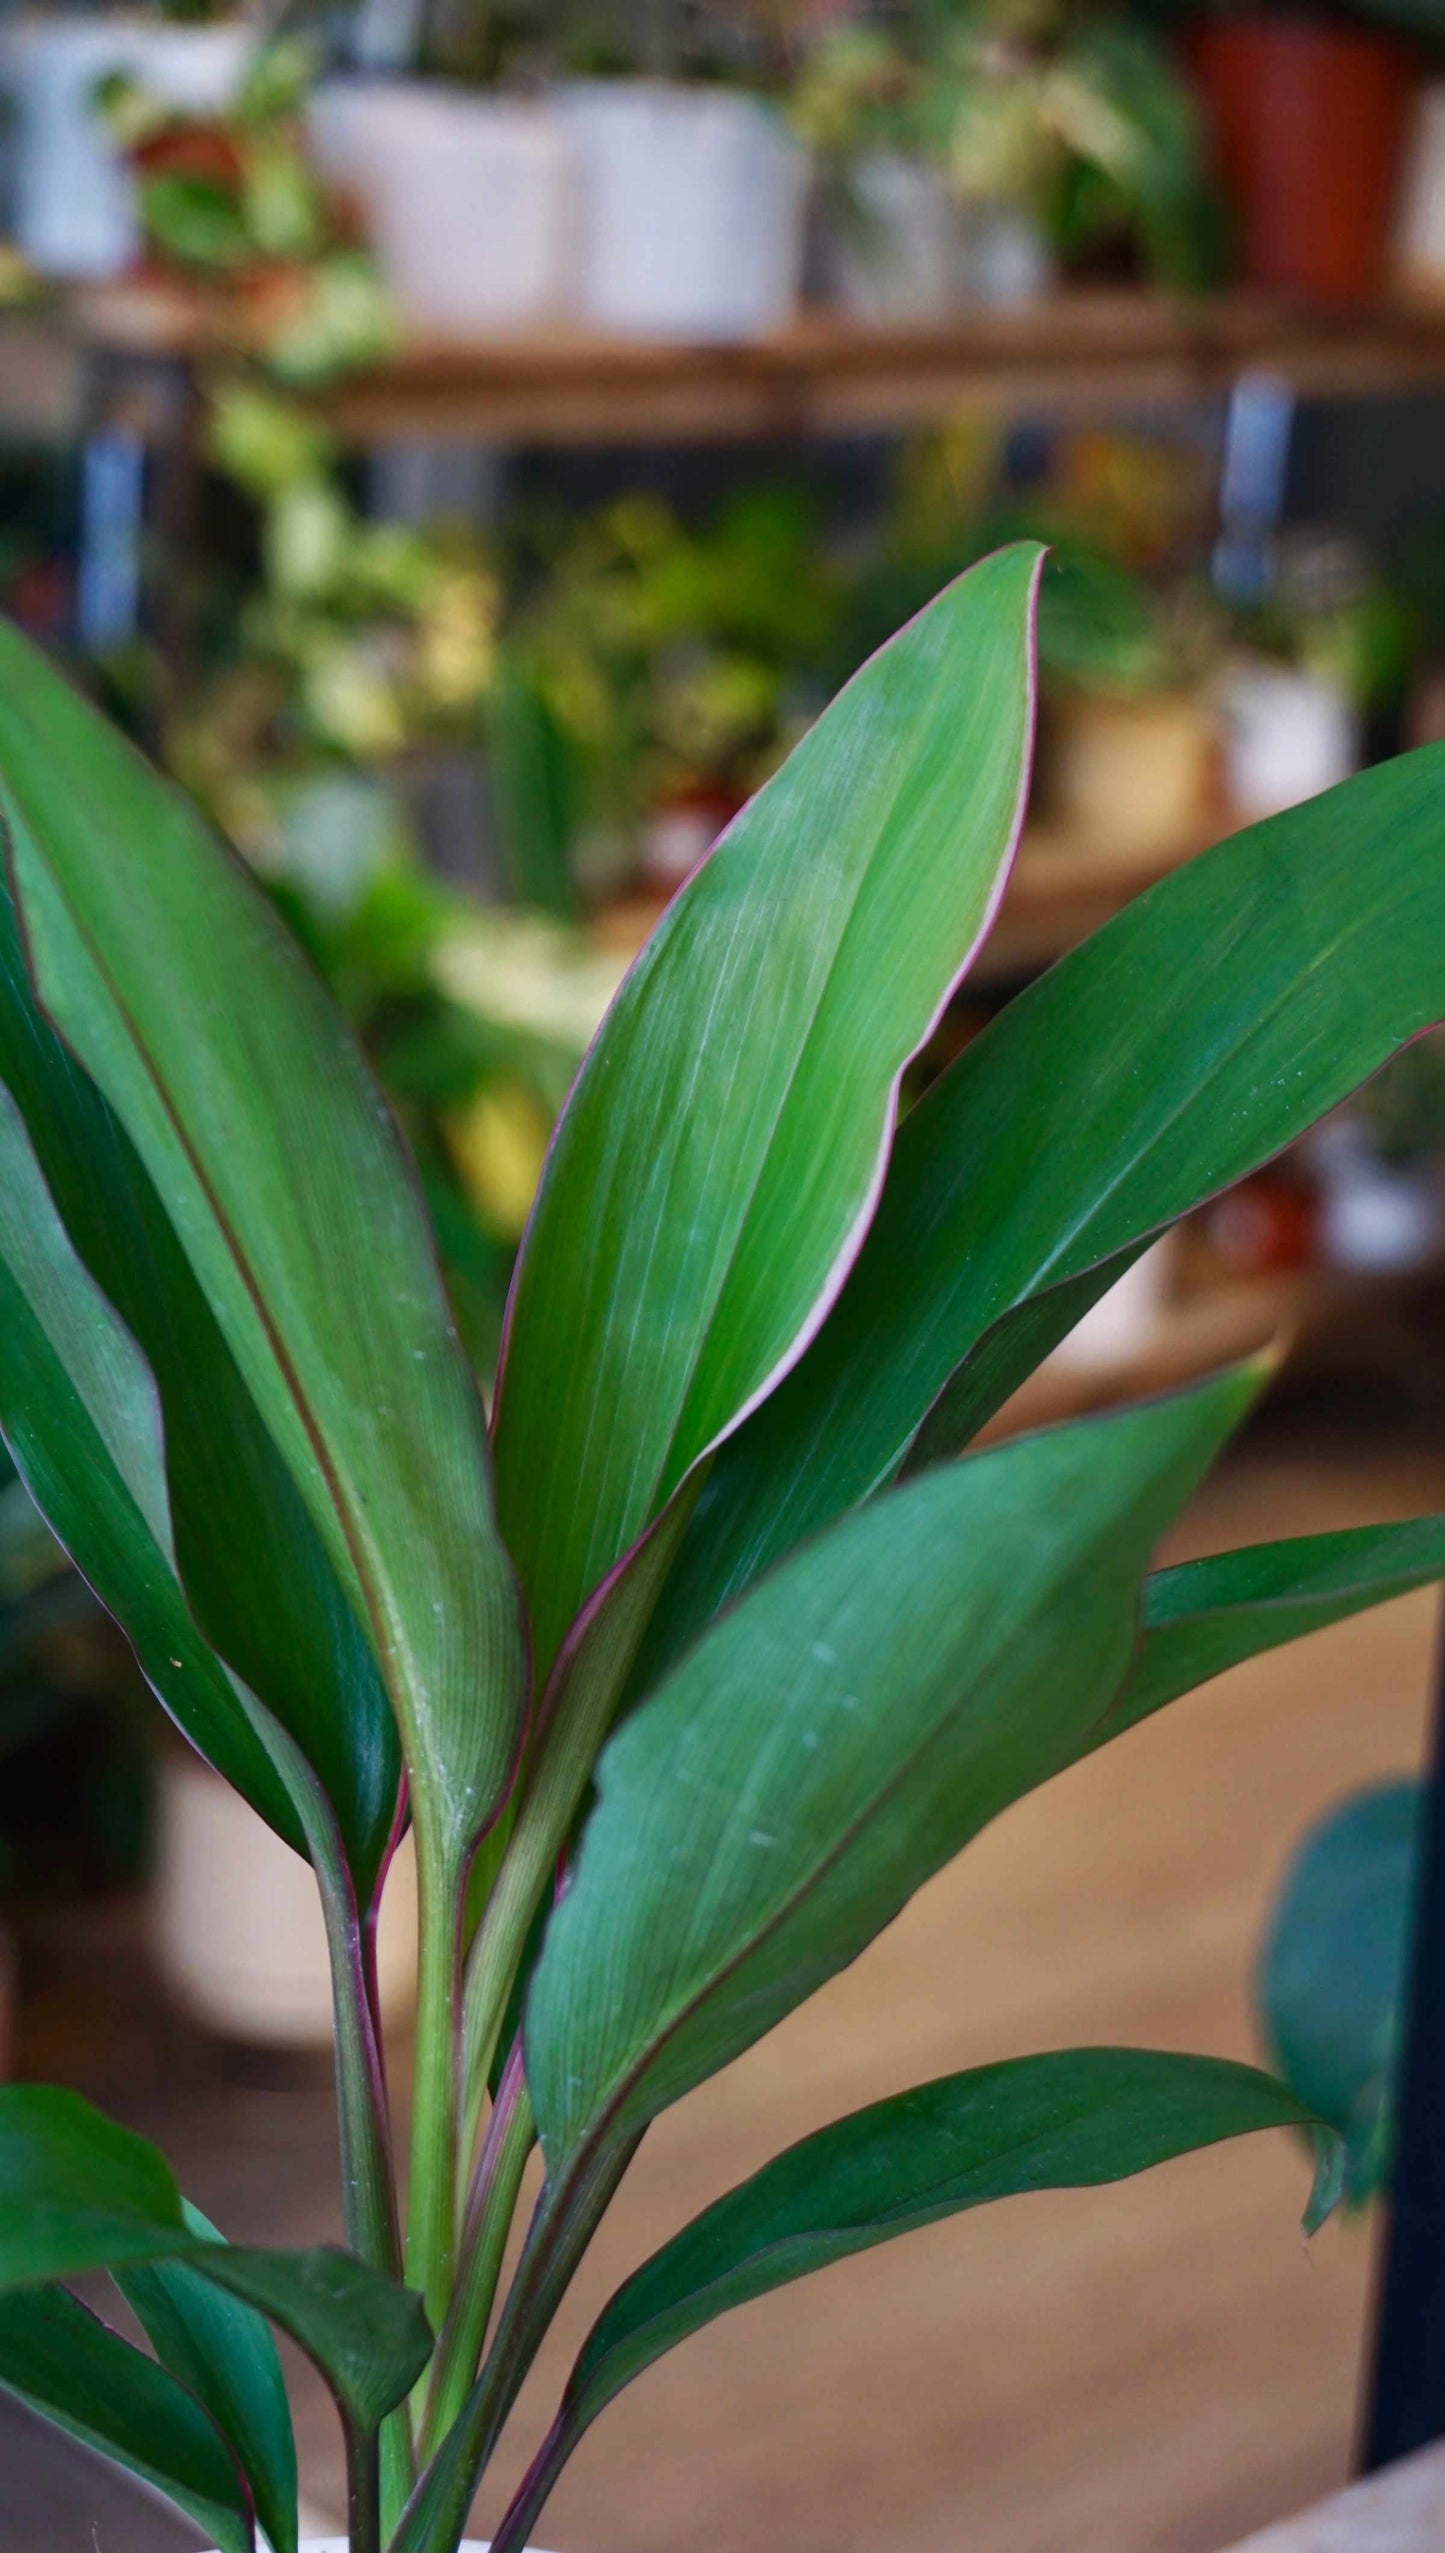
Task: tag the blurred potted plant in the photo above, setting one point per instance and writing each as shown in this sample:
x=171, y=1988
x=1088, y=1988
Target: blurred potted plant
x=678, y=663
x=1327, y=647
x=1057, y=135
x=230, y=206
x=74, y=205
x=891, y=244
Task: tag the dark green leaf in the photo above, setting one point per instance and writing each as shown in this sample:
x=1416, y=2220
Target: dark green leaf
x=1184, y=1044
x=79, y=2193
x=185, y=999
x=721, y=1152
x=222, y=2352
x=254, y=1564
x=368, y=2336
x=65, y=2363
x=78, y=1411
x=835, y=1738
x=1063, y=2121
x=1208, y=1615
x=1334, y=1967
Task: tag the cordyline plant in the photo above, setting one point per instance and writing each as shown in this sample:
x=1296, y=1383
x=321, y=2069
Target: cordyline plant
x=716, y=1651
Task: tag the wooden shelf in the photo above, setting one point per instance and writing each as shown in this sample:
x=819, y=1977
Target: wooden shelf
x=822, y=376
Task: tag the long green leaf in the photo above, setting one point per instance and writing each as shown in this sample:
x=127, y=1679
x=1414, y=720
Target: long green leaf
x=721, y=1152
x=78, y=1412
x=226, y=1508
x=222, y=2351
x=1209, y=1615
x=1220, y=1014
x=64, y=2362
x=80, y=2193
x=1334, y=1969
x=832, y=1741
x=1069, y=2120
x=184, y=998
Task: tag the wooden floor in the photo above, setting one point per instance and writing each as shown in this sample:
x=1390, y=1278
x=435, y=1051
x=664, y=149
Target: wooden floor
x=1156, y=2368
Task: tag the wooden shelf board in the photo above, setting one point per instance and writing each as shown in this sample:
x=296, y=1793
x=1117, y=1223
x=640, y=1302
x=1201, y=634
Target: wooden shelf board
x=821, y=376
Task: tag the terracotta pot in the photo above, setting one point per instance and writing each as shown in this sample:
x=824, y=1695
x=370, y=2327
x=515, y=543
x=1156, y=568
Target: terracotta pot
x=1137, y=775
x=1308, y=122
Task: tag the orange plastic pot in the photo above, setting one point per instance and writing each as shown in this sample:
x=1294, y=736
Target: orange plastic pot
x=1307, y=122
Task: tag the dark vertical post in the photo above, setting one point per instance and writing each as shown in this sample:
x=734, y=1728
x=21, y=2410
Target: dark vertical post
x=1405, y=2403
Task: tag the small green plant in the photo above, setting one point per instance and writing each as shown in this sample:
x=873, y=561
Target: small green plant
x=1084, y=122
x=712, y=1620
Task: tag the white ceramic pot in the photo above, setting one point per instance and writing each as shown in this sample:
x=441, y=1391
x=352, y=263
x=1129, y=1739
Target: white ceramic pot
x=470, y=201
x=1124, y=1321
x=893, y=252
x=1287, y=735
x=692, y=204
x=237, y=1926
x=74, y=203
x=1006, y=259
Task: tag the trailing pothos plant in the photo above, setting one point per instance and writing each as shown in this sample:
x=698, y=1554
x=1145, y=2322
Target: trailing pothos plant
x=692, y=1667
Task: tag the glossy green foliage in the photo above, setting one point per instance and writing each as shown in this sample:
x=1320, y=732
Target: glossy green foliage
x=253, y=1564
x=229, y=1376
x=1334, y=1969
x=65, y=2362
x=1063, y=2121
x=278, y=1167
x=832, y=1741
x=715, y=1168
x=79, y=2193
x=1184, y=1044
x=1209, y=1615
x=222, y=2351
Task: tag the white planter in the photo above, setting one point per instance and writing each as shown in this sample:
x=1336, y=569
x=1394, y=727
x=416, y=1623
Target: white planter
x=74, y=203
x=1006, y=260
x=1122, y=1324
x=1287, y=735
x=894, y=247
x=238, y=1930
x=470, y=201
x=1401, y=2510
x=692, y=203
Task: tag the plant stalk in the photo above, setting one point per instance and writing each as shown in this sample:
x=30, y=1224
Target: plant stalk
x=368, y=2189
x=535, y=2488
x=563, y=2226
x=363, y=2502
x=518, y=1890
x=510, y=2137
x=431, y=2210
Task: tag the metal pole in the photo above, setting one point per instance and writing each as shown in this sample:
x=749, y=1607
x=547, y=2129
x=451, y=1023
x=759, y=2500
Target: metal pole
x=1405, y=2400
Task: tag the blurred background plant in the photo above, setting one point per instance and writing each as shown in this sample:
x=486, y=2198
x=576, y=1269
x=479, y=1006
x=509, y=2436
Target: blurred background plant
x=1081, y=123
